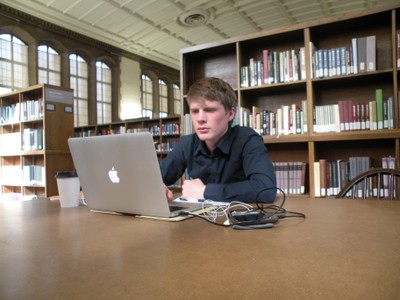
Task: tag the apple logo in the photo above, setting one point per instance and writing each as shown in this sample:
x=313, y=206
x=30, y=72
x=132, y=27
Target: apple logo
x=113, y=175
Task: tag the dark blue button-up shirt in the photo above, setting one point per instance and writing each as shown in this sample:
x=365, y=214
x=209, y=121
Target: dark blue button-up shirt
x=238, y=169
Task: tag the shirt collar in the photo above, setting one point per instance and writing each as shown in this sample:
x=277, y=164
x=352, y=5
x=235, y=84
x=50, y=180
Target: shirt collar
x=223, y=146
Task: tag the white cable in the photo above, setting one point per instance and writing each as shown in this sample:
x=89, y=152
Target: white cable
x=222, y=210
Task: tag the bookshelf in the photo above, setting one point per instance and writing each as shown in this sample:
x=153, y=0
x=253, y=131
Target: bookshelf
x=35, y=124
x=166, y=131
x=299, y=91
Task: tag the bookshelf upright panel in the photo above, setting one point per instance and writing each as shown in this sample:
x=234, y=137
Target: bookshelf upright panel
x=34, y=142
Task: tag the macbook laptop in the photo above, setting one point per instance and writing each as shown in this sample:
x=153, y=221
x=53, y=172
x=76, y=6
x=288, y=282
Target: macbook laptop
x=121, y=173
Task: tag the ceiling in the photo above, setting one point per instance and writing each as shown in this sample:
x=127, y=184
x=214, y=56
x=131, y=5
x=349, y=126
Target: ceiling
x=158, y=29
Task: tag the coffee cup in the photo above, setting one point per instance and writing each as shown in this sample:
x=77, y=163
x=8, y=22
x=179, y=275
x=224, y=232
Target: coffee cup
x=68, y=188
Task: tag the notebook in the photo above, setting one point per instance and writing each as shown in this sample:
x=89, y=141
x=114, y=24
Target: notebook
x=121, y=173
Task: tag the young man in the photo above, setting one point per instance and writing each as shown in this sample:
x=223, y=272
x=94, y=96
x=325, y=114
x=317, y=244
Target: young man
x=223, y=163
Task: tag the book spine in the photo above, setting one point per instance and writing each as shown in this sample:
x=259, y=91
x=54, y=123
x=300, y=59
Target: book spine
x=371, y=53
x=379, y=108
x=362, y=54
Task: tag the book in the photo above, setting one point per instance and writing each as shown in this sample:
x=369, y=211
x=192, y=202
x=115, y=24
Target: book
x=379, y=108
x=323, y=175
x=358, y=165
x=371, y=53
x=266, y=66
x=354, y=56
x=291, y=176
x=398, y=47
x=244, y=76
x=362, y=54
x=304, y=110
x=317, y=179
x=252, y=72
x=244, y=115
x=389, y=185
x=302, y=62
x=256, y=117
x=373, y=124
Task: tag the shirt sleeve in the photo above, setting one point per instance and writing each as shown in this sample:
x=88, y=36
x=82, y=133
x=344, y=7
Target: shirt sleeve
x=174, y=164
x=260, y=182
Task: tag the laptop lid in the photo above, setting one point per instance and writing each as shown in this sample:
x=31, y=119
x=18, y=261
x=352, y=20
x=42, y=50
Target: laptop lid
x=120, y=173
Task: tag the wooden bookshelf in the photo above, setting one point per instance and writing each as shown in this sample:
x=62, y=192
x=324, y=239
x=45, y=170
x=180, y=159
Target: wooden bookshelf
x=35, y=124
x=226, y=59
x=166, y=131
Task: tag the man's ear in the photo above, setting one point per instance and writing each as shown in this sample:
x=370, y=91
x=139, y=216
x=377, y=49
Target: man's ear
x=231, y=113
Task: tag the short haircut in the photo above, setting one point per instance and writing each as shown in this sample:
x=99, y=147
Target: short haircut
x=213, y=89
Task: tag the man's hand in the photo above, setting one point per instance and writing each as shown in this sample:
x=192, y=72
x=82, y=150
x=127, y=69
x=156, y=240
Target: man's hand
x=170, y=195
x=193, y=189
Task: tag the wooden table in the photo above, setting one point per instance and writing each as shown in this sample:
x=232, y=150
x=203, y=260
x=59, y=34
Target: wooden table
x=345, y=249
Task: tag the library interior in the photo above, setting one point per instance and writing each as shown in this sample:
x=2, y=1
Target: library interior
x=317, y=82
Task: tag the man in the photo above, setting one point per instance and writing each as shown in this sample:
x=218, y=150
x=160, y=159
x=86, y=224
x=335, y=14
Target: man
x=223, y=163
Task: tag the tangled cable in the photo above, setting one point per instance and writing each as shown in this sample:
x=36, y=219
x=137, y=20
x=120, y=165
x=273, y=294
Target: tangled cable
x=241, y=215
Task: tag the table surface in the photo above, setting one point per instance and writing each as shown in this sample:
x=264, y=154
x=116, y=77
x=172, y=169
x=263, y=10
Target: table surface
x=344, y=249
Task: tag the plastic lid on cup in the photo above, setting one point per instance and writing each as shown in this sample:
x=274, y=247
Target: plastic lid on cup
x=66, y=174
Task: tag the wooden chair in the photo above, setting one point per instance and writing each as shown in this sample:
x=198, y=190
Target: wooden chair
x=380, y=183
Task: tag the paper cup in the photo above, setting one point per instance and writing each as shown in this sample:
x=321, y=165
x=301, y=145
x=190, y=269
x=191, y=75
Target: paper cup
x=68, y=188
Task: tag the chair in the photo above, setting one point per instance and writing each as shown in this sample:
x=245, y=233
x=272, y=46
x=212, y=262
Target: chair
x=380, y=183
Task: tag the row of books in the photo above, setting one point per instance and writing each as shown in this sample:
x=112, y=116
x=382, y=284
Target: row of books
x=288, y=119
x=32, y=139
x=345, y=115
x=348, y=115
x=101, y=131
x=291, y=177
x=166, y=146
x=274, y=67
x=10, y=114
x=33, y=175
x=156, y=130
x=330, y=176
x=358, y=57
x=170, y=129
x=289, y=65
x=21, y=111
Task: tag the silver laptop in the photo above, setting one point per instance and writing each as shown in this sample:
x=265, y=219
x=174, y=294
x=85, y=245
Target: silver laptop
x=121, y=173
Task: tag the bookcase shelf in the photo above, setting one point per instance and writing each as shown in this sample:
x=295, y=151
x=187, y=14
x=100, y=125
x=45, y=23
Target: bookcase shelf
x=314, y=65
x=35, y=124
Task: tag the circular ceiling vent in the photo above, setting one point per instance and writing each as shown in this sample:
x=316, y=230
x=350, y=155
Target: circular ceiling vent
x=193, y=18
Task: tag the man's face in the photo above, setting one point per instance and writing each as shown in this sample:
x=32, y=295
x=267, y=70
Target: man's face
x=210, y=120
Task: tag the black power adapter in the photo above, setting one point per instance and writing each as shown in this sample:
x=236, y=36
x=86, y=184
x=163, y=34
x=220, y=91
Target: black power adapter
x=251, y=218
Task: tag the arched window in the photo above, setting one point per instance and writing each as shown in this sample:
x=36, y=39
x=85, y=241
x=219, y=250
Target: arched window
x=177, y=99
x=147, y=97
x=163, y=98
x=13, y=63
x=103, y=92
x=79, y=82
x=49, y=65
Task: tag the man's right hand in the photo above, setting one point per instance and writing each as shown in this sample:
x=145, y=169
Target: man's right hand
x=170, y=195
